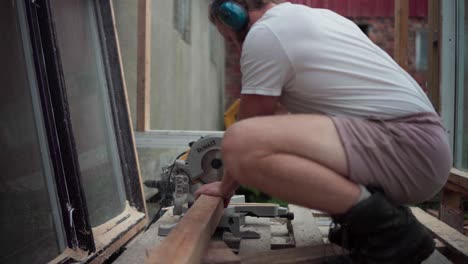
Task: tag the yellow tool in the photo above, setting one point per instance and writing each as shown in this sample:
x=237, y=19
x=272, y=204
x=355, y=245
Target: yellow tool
x=200, y=164
x=230, y=116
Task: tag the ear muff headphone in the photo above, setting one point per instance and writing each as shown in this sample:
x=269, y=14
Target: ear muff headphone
x=231, y=14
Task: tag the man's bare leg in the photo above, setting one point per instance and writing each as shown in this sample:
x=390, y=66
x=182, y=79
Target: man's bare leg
x=298, y=158
x=301, y=159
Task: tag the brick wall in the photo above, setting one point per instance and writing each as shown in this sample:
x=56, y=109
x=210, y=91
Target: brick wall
x=380, y=31
x=233, y=75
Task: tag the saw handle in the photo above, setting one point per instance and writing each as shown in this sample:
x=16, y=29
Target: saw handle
x=231, y=113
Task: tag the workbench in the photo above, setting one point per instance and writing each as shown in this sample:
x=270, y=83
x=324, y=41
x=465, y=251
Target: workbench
x=281, y=240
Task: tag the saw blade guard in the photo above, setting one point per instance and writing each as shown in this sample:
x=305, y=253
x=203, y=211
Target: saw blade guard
x=204, y=160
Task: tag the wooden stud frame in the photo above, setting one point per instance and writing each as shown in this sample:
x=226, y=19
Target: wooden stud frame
x=401, y=32
x=451, y=207
x=433, y=74
x=144, y=65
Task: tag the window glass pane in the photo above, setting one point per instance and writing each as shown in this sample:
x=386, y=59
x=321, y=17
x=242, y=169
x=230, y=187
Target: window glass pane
x=91, y=116
x=461, y=136
x=422, y=55
x=30, y=223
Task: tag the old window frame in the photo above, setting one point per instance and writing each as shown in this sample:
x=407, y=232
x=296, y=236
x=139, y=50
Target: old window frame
x=78, y=231
x=30, y=194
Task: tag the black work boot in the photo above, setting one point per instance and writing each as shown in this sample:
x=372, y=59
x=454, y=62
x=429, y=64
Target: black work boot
x=377, y=231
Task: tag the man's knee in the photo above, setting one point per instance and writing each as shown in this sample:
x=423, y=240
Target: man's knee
x=242, y=137
x=239, y=150
x=232, y=140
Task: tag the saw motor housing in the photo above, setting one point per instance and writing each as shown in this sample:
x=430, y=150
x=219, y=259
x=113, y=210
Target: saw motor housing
x=203, y=164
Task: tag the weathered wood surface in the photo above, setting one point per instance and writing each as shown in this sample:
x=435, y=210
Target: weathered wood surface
x=304, y=227
x=452, y=196
x=437, y=258
x=310, y=254
x=459, y=178
x=219, y=253
x=136, y=251
x=188, y=241
x=433, y=76
x=274, y=234
x=262, y=244
x=453, y=239
x=401, y=32
x=144, y=65
x=315, y=254
x=275, y=229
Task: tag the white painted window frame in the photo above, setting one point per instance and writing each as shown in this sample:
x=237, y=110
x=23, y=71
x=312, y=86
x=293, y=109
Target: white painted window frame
x=451, y=78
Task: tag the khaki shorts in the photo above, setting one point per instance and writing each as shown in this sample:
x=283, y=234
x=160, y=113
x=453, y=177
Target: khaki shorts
x=408, y=157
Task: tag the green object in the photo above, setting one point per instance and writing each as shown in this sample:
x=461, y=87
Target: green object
x=253, y=195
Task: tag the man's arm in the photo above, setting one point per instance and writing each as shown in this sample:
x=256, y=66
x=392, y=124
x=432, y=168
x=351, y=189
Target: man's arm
x=253, y=105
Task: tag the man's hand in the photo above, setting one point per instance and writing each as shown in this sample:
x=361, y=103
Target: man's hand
x=214, y=189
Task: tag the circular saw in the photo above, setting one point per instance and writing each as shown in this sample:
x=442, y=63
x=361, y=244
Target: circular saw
x=204, y=162
x=201, y=164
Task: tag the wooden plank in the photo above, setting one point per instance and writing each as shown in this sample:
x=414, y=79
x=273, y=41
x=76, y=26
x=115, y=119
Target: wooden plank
x=454, y=240
x=433, y=212
x=279, y=227
x=436, y=258
x=304, y=227
x=452, y=199
x=451, y=211
x=246, y=205
x=136, y=251
x=401, y=32
x=188, y=241
x=231, y=241
x=278, y=242
x=310, y=254
x=451, y=208
x=219, y=253
x=459, y=178
x=433, y=76
x=456, y=188
x=144, y=65
x=318, y=213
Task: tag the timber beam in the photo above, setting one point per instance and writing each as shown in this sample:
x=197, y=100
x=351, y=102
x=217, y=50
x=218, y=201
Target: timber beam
x=188, y=241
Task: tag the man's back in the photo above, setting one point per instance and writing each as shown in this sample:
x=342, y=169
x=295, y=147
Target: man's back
x=319, y=61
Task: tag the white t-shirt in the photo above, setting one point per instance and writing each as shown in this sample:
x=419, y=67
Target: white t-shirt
x=320, y=62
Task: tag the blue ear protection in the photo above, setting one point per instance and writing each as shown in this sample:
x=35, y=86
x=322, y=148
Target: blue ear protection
x=233, y=15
